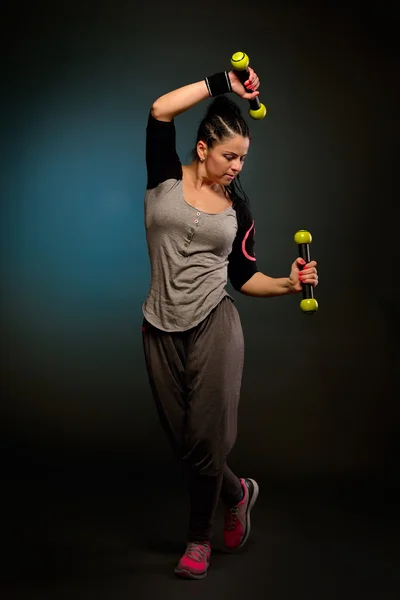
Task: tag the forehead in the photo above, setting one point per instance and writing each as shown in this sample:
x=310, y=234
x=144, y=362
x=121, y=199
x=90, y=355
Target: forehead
x=238, y=145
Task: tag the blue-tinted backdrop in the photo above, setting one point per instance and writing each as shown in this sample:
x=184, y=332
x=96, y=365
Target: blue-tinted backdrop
x=317, y=393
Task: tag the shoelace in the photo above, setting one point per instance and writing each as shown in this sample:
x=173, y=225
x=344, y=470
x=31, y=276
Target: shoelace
x=231, y=517
x=196, y=551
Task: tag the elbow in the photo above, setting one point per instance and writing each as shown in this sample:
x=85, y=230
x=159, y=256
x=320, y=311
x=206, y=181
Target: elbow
x=158, y=113
x=155, y=110
x=241, y=287
x=245, y=290
x=243, y=283
x=250, y=287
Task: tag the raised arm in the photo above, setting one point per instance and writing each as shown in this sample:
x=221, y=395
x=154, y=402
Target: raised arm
x=174, y=103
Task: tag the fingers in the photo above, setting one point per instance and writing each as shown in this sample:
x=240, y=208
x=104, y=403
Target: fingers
x=253, y=82
x=248, y=96
x=249, y=89
x=304, y=273
x=302, y=262
x=311, y=279
x=309, y=274
x=313, y=263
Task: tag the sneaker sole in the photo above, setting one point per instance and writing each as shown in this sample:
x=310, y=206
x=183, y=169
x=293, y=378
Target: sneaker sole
x=188, y=575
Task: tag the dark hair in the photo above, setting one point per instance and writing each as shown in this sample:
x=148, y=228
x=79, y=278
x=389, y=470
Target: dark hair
x=224, y=120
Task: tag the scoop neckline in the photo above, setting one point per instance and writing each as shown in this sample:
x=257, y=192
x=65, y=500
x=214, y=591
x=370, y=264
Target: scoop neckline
x=202, y=212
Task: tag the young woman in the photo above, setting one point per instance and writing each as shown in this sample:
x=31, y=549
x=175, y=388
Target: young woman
x=200, y=232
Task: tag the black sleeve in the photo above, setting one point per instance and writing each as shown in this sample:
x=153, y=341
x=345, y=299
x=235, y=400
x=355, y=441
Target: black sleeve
x=162, y=160
x=242, y=261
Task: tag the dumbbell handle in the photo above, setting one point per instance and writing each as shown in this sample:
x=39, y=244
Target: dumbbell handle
x=243, y=76
x=304, y=253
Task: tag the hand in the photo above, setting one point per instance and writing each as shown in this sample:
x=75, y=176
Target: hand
x=306, y=275
x=252, y=84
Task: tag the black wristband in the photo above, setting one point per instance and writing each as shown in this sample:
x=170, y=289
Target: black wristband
x=218, y=84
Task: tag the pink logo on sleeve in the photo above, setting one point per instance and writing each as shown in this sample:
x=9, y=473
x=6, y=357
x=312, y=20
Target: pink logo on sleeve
x=244, y=243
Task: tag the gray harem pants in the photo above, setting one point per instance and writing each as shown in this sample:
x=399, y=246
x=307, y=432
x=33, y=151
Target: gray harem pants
x=195, y=377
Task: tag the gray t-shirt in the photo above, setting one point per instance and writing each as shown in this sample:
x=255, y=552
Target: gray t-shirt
x=191, y=252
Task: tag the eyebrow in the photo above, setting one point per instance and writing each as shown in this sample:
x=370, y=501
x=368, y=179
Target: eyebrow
x=234, y=153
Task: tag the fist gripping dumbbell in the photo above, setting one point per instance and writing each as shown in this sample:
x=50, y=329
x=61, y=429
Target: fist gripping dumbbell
x=240, y=62
x=303, y=239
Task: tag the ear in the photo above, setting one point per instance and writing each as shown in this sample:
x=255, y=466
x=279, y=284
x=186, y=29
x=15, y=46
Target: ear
x=202, y=150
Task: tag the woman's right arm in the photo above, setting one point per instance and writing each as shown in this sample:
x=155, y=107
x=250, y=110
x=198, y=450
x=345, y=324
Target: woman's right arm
x=162, y=160
x=174, y=103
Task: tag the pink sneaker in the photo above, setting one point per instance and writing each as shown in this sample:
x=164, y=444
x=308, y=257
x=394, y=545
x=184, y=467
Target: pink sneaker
x=237, y=519
x=195, y=562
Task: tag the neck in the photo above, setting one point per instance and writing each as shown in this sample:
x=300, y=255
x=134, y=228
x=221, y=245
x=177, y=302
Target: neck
x=200, y=178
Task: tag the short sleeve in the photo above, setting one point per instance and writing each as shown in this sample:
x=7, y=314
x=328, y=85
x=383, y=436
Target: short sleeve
x=162, y=160
x=242, y=264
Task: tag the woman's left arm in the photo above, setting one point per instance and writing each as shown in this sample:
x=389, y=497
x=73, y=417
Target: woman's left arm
x=245, y=276
x=263, y=286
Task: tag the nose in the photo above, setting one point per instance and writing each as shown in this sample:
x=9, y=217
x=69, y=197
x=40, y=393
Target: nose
x=236, y=166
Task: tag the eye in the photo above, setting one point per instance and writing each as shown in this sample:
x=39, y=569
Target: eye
x=229, y=157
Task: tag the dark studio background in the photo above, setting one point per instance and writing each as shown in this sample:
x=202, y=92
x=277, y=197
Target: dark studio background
x=318, y=415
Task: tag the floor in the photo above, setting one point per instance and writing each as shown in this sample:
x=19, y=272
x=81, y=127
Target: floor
x=72, y=536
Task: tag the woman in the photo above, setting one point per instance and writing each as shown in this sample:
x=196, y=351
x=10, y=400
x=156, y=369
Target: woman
x=200, y=231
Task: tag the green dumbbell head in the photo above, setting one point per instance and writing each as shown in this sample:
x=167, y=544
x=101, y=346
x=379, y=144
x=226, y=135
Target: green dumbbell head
x=302, y=237
x=240, y=61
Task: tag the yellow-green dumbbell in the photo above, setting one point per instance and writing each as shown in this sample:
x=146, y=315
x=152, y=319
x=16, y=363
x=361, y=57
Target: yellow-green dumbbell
x=240, y=62
x=303, y=239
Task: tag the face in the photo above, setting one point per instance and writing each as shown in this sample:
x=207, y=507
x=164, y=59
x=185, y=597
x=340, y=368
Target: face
x=224, y=161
